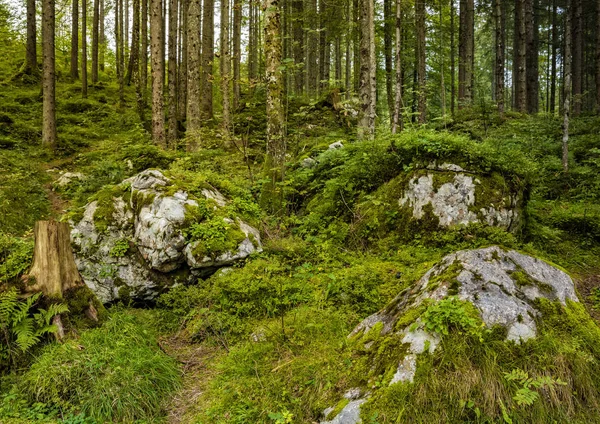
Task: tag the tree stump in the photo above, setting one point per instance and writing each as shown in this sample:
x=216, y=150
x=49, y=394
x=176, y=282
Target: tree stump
x=53, y=271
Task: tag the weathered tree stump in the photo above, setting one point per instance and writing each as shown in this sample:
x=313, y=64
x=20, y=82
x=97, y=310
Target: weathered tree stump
x=53, y=271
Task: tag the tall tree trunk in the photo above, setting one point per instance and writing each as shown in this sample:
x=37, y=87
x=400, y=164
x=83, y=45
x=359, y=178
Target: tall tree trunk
x=420, y=51
x=144, y=49
x=84, y=78
x=102, y=38
x=397, y=121
x=577, y=47
x=500, y=47
x=356, y=32
x=95, y=41
x=368, y=81
x=193, y=75
x=173, y=100
x=452, y=59
x=237, y=52
x=48, y=75
x=122, y=44
x=157, y=65
x=225, y=62
x=567, y=88
x=252, y=47
x=531, y=68
x=465, y=48
x=75, y=40
x=348, y=55
x=387, y=47
x=554, y=47
x=30, y=66
x=298, y=36
x=520, y=53
x=442, y=65
x=275, y=158
x=324, y=47
x=312, y=70
x=208, y=55
x=134, y=56
x=183, y=64
x=125, y=29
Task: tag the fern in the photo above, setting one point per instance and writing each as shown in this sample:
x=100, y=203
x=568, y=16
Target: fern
x=20, y=327
x=526, y=393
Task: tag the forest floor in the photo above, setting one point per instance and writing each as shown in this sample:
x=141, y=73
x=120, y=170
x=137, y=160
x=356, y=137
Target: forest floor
x=323, y=285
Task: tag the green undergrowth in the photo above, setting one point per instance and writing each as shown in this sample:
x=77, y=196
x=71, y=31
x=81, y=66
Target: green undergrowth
x=115, y=373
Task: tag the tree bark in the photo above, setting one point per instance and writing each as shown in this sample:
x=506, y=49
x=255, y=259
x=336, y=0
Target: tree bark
x=520, y=53
x=75, y=40
x=420, y=51
x=356, y=35
x=95, y=40
x=577, y=47
x=172, y=78
x=312, y=70
x=183, y=64
x=452, y=59
x=193, y=75
x=102, y=37
x=48, y=75
x=121, y=64
x=500, y=47
x=465, y=47
x=554, y=48
x=157, y=65
x=275, y=158
x=208, y=55
x=144, y=48
x=324, y=47
x=134, y=56
x=84, y=78
x=225, y=62
x=567, y=89
x=531, y=68
x=298, y=48
x=53, y=271
x=366, y=126
x=237, y=52
x=397, y=121
x=598, y=56
x=30, y=66
x=387, y=42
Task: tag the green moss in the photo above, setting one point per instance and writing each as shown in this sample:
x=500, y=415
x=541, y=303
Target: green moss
x=140, y=199
x=105, y=199
x=410, y=316
x=338, y=408
x=79, y=300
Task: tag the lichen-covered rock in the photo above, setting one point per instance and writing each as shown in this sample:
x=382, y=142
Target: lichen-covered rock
x=489, y=289
x=146, y=234
x=446, y=195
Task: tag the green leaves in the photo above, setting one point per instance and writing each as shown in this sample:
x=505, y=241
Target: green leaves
x=526, y=393
x=452, y=314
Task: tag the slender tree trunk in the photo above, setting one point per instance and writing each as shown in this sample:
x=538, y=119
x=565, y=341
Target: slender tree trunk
x=465, y=47
x=193, y=76
x=251, y=65
x=452, y=59
x=324, y=47
x=500, y=47
x=144, y=49
x=567, y=88
x=366, y=129
x=172, y=65
x=183, y=65
x=348, y=57
x=157, y=58
x=554, y=47
x=275, y=159
x=48, y=75
x=397, y=121
x=387, y=47
x=442, y=65
x=102, y=37
x=532, y=72
x=237, y=52
x=356, y=31
x=577, y=47
x=420, y=51
x=208, y=55
x=30, y=66
x=125, y=29
x=122, y=44
x=95, y=41
x=84, y=78
x=312, y=69
x=134, y=55
x=338, y=61
x=225, y=63
x=298, y=35
x=75, y=40
x=520, y=52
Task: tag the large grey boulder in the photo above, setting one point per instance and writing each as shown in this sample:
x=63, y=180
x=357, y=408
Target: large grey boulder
x=502, y=285
x=131, y=241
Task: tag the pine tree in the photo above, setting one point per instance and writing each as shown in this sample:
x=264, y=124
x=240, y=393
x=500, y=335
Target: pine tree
x=157, y=65
x=48, y=75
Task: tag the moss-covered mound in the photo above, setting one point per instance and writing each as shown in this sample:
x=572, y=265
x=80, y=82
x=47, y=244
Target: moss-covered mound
x=485, y=336
x=410, y=185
